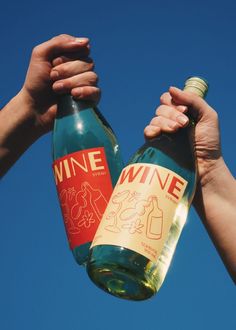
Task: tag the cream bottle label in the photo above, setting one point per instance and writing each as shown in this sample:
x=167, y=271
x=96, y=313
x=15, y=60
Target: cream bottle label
x=141, y=209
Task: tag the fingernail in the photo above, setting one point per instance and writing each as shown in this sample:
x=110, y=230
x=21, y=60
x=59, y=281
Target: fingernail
x=173, y=88
x=150, y=133
x=80, y=40
x=77, y=92
x=154, y=130
x=172, y=125
x=58, y=86
x=183, y=108
x=151, y=130
x=182, y=120
x=54, y=74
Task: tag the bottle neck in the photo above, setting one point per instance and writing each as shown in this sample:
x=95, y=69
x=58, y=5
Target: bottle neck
x=67, y=105
x=196, y=85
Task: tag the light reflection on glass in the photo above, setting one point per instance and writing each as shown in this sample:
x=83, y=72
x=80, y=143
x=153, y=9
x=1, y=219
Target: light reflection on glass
x=79, y=126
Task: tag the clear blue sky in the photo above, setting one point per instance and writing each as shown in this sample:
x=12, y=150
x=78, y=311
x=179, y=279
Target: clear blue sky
x=140, y=48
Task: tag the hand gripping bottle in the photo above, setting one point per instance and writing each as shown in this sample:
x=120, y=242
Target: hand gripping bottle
x=137, y=236
x=87, y=164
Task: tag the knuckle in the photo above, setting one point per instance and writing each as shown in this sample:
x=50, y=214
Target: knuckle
x=36, y=50
x=93, y=77
x=157, y=110
x=85, y=66
x=61, y=70
x=62, y=36
x=68, y=84
x=146, y=129
x=164, y=96
x=214, y=114
x=90, y=90
x=154, y=121
x=160, y=109
x=57, y=61
x=89, y=93
x=90, y=65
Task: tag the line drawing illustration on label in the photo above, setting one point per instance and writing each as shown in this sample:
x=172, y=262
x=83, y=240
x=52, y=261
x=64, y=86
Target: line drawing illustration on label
x=82, y=208
x=129, y=211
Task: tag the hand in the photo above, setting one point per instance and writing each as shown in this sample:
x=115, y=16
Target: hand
x=215, y=195
x=60, y=65
x=171, y=116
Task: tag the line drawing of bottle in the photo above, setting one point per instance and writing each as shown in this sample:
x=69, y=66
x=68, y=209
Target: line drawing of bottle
x=96, y=199
x=154, y=220
x=151, y=214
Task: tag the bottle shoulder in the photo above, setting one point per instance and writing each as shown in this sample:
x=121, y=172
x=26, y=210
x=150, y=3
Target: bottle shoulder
x=168, y=150
x=83, y=130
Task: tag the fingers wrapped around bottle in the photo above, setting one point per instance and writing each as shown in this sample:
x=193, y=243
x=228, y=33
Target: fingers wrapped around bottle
x=77, y=78
x=168, y=119
x=73, y=72
x=171, y=115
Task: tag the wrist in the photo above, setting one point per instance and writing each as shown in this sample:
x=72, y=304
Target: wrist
x=29, y=114
x=216, y=183
x=209, y=172
x=20, y=120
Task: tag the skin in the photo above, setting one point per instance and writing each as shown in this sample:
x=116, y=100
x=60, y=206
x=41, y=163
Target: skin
x=215, y=197
x=57, y=66
x=62, y=65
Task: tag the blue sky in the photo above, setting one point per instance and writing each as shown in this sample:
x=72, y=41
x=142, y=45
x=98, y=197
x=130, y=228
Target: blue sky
x=140, y=48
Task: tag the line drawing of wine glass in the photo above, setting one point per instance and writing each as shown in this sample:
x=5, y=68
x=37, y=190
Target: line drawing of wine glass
x=117, y=202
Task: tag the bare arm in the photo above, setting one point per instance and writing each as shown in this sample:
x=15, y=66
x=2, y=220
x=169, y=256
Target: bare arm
x=17, y=131
x=215, y=202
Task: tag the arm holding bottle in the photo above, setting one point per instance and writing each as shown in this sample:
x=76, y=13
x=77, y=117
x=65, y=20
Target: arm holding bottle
x=215, y=197
x=60, y=65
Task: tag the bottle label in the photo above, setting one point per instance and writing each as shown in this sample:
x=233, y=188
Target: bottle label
x=141, y=209
x=84, y=187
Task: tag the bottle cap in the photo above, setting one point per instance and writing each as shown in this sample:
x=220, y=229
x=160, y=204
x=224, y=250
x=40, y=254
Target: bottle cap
x=197, y=86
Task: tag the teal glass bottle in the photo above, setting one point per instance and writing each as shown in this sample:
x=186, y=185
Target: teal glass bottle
x=137, y=237
x=87, y=164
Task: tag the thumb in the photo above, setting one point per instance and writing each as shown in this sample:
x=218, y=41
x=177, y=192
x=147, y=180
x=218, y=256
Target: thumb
x=59, y=44
x=191, y=100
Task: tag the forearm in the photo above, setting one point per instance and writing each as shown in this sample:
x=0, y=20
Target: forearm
x=17, y=131
x=215, y=202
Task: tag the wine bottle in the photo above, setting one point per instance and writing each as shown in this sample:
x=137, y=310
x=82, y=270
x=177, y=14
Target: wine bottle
x=87, y=164
x=137, y=237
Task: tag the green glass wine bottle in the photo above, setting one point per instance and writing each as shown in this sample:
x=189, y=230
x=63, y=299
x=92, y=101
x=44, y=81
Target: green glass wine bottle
x=87, y=164
x=136, y=239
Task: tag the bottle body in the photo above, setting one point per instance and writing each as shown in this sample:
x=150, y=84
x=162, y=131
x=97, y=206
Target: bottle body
x=139, y=231
x=137, y=273
x=87, y=164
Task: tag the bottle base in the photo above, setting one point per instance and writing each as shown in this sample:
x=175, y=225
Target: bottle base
x=122, y=273
x=121, y=283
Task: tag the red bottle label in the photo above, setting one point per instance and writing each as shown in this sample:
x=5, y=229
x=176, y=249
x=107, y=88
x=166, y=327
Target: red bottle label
x=84, y=188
